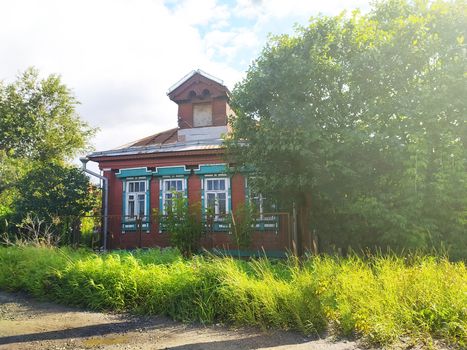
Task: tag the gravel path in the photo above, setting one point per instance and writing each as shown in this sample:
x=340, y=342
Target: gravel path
x=29, y=324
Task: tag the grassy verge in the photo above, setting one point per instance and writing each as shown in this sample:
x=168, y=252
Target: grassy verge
x=381, y=299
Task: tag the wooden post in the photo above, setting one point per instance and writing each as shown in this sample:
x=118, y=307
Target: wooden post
x=294, y=230
x=308, y=239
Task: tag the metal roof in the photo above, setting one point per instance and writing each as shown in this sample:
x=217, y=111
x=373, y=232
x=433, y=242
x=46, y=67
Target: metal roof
x=164, y=137
x=161, y=148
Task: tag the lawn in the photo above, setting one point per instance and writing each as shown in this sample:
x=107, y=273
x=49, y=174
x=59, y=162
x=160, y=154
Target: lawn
x=380, y=299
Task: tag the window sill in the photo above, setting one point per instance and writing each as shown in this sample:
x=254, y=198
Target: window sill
x=133, y=226
x=262, y=225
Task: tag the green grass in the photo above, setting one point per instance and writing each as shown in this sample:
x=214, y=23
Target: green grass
x=381, y=299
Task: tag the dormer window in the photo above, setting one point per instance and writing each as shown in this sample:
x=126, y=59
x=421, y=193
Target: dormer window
x=203, y=102
x=202, y=114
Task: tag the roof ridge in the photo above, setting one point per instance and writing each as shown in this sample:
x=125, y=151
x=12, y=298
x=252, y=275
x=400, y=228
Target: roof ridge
x=212, y=144
x=192, y=73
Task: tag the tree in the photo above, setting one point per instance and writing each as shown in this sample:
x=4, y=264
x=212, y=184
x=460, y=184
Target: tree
x=39, y=119
x=53, y=190
x=361, y=122
x=40, y=132
x=54, y=194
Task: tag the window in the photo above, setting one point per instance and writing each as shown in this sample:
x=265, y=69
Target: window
x=216, y=196
x=171, y=188
x=263, y=207
x=267, y=218
x=136, y=199
x=202, y=114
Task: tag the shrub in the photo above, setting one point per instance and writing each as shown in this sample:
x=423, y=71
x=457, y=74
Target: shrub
x=184, y=224
x=242, y=224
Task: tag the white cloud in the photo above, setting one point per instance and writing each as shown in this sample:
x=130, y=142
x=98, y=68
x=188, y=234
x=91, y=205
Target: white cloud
x=277, y=9
x=226, y=45
x=121, y=56
x=206, y=12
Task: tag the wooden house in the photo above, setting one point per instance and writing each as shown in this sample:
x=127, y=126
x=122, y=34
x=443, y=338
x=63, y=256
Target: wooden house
x=144, y=176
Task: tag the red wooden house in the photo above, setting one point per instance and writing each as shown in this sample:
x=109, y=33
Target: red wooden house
x=145, y=175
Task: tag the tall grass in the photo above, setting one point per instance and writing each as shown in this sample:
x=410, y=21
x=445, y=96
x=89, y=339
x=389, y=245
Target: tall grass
x=382, y=299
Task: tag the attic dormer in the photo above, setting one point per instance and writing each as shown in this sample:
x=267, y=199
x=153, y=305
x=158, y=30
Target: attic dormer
x=202, y=103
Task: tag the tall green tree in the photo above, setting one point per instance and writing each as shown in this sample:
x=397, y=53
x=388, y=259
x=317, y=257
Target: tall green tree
x=40, y=132
x=361, y=121
x=39, y=119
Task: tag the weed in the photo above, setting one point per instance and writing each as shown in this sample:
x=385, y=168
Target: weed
x=383, y=299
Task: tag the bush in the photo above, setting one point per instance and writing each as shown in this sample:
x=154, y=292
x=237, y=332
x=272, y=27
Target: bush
x=242, y=224
x=184, y=224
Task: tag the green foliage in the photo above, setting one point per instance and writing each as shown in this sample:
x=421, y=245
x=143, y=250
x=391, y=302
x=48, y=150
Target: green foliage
x=242, y=223
x=381, y=298
x=365, y=115
x=27, y=268
x=155, y=256
x=11, y=171
x=388, y=297
x=39, y=131
x=184, y=225
x=53, y=190
x=89, y=231
x=38, y=119
x=54, y=195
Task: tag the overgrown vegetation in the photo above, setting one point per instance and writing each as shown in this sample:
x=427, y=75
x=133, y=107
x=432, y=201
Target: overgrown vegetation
x=40, y=133
x=361, y=121
x=384, y=299
x=183, y=223
x=242, y=222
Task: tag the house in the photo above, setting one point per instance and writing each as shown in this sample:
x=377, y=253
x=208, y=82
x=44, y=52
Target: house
x=144, y=176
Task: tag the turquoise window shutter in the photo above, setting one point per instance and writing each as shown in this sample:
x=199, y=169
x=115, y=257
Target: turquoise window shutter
x=124, y=200
x=229, y=195
x=203, y=210
x=160, y=195
x=148, y=200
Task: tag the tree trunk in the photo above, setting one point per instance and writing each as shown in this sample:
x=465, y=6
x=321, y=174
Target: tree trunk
x=307, y=241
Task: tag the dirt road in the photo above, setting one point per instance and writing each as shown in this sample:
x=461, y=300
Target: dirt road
x=29, y=324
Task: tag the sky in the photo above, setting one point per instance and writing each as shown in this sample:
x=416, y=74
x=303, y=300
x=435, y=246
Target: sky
x=120, y=57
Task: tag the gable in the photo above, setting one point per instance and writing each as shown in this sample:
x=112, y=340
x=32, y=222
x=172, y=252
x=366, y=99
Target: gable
x=198, y=87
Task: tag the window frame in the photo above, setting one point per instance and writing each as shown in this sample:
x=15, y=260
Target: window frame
x=262, y=221
x=226, y=191
x=137, y=200
x=163, y=181
x=261, y=200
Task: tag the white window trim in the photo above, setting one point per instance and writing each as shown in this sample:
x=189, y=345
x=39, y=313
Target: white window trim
x=226, y=191
x=136, y=194
x=261, y=198
x=163, y=192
